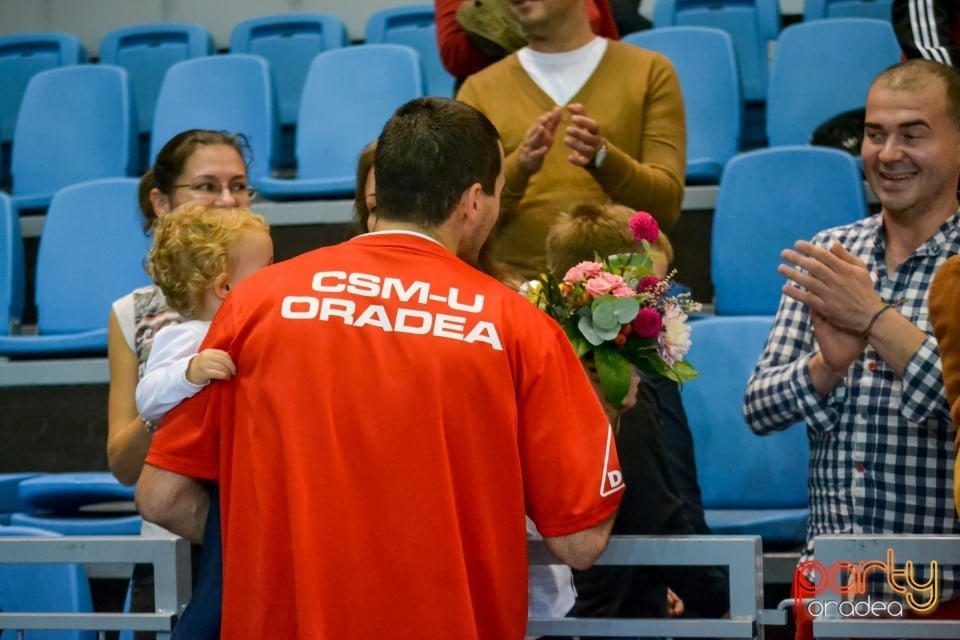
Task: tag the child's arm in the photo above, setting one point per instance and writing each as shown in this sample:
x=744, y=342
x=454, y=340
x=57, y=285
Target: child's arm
x=165, y=383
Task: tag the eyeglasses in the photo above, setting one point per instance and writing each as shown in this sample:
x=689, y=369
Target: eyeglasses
x=214, y=189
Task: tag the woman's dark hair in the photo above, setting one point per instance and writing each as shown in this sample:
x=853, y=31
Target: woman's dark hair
x=172, y=159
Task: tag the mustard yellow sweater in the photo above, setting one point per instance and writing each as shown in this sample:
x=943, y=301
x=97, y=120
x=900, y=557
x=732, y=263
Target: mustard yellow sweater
x=634, y=96
x=944, y=309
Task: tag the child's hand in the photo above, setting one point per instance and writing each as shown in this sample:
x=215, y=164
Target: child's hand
x=210, y=364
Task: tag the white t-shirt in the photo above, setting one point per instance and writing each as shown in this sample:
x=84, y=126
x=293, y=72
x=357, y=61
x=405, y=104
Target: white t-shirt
x=561, y=75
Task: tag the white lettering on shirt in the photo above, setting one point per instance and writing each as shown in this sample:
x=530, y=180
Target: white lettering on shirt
x=452, y=326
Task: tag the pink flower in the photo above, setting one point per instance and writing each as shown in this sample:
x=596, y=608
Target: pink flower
x=644, y=227
x=583, y=270
x=597, y=287
x=648, y=323
x=648, y=284
x=623, y=291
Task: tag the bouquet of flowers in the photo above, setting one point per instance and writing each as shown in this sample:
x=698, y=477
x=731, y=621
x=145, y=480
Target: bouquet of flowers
x=619, y=312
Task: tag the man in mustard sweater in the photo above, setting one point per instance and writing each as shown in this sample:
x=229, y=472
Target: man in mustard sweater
x=582, y=119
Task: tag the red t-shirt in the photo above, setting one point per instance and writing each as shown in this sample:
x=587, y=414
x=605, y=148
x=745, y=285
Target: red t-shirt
x=394, y=415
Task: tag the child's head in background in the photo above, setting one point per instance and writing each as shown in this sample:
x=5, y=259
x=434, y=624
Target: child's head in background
x=590, y=230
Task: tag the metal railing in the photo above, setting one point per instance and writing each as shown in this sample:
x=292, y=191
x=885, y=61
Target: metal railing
x=170, y=558
x=918, y=549
x=742, y=555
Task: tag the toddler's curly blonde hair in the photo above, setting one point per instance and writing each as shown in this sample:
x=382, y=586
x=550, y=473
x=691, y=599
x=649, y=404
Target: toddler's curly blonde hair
x=191, y=249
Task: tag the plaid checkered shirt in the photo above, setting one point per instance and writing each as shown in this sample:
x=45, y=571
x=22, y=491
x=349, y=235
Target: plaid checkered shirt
x=881, y=446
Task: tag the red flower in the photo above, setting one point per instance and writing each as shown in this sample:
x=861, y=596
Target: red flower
x=648, y=284
x=644, y=227
x=648, y=323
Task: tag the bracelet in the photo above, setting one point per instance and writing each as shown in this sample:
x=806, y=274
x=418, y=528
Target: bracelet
x=149, y=425
x=866, y=332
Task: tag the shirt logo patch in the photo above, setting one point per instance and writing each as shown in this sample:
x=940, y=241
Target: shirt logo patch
x=612, y=480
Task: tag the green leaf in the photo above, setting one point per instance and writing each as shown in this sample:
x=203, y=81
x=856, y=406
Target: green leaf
x=611, y=313
x=580, y=344
x=614, y=373
x=589, y=332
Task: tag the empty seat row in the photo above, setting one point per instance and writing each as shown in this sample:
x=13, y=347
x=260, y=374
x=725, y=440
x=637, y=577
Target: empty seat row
x=820, y=69
x=287, y=41
x=60, y=142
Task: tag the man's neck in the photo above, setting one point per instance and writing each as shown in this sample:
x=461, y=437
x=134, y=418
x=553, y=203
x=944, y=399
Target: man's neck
x=436, y=233
x=903, y=235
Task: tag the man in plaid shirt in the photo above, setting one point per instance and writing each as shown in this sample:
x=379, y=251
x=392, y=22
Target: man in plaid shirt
x=851, y=352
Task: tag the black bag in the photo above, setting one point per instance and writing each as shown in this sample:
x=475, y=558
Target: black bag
x=843, y=131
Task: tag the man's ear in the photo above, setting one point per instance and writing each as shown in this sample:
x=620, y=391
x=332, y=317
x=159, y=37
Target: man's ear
x=471, y=203
x=221, y=286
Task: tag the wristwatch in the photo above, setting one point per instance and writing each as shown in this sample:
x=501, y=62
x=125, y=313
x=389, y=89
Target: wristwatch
x=598, y=157
x=149, y=426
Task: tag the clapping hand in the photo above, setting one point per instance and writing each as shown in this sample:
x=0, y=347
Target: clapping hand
x=538, y=139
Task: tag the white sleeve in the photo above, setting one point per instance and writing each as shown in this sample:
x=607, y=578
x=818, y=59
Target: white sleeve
x=164, y=383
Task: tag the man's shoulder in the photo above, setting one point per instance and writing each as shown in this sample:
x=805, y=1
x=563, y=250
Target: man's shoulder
x=619, y=50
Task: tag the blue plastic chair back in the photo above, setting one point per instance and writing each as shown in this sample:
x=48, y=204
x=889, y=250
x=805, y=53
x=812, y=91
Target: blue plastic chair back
x=821, y=69
x=81, y=525
x=706, y=65
x=10, y=491
x=768, y=199
x=11, y=268
x=146, y=51
x=76, y=124
x=752, y=25
x=36, y=588
x=68, y=492
x=820, y=9
x=91, y=253
x=339, y=115
x=414, y=26
x=230, y=92
x=289, y=43
x=24, y=55
x=750, y=483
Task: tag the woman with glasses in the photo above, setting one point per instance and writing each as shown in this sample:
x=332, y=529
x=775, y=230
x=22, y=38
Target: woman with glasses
x=195, y=166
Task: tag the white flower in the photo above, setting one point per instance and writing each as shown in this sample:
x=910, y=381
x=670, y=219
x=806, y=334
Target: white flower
x=674, y=340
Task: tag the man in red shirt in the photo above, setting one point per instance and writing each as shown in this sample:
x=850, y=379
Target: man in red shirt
x=394, y=415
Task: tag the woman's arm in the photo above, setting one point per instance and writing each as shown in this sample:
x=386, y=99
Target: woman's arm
x=127, y=440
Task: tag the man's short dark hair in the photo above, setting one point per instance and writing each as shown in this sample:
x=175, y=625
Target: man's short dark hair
x=430, y=152
x=915, y=73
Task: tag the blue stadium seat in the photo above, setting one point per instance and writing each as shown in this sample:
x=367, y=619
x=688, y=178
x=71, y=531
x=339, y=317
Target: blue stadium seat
x=820, y=9
x=339, y=116
x=146, y=51
x=231, y=92
x=81, y=525
x=289, y=43
x=36, y=588
x=68, y=492
x=821, y=69
x=706, y=65
x=10, y=491
x=769, y=199
x=22, y=56
x=76, y=123
x=752, y=25
x=11, y=269
x=91, y=253
x=752, y=485
x=413, y=25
